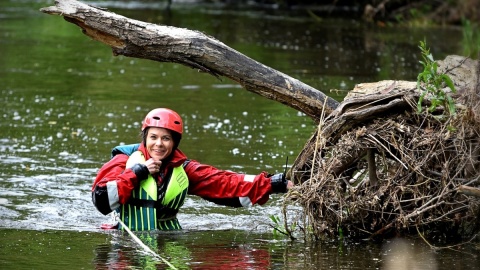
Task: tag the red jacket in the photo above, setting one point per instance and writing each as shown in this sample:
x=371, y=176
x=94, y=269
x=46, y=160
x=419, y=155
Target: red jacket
x=114, y=183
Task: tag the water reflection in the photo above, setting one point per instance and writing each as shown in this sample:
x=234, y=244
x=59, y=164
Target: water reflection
x=183, y=250
x=235, y=249
x=405, y=254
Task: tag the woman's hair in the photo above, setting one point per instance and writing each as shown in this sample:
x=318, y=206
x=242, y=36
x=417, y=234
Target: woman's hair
x=175, y=136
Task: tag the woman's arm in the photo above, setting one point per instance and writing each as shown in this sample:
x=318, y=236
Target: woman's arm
x=114, y=183
x=230, y=188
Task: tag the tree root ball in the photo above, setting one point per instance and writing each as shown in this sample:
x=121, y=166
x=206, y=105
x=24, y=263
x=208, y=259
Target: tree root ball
x=377, y=168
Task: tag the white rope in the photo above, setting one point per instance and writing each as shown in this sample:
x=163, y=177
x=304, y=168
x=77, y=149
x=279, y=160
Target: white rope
x=136, y=239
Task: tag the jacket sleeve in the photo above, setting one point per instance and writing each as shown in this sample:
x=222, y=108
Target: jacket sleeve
x=226, y=187
x=113, y=184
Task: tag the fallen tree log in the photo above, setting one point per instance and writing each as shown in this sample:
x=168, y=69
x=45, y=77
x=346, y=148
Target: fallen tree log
x=375, y=167
x=138, y=39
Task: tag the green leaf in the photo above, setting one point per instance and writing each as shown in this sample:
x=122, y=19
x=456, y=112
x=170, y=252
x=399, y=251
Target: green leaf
x=274, y=219
x=449, y=82
x=340, y=232
x=420, y=100
x=294, y=226
x=430, y=57
x=451, y=105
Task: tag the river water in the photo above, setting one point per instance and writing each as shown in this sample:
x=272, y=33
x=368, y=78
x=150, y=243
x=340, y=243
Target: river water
x=66, y=101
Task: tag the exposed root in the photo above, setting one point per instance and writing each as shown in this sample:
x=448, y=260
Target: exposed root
x=391, y=173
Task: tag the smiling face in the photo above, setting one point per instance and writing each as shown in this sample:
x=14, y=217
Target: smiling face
x=159, y=143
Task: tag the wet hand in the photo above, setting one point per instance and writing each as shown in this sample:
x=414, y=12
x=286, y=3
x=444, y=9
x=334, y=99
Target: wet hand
x=153, y=166
x=289, y=184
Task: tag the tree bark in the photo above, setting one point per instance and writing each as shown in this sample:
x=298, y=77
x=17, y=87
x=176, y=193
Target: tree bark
x=138, y=39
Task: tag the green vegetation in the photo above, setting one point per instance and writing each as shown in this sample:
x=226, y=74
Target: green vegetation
x=431, y=83
x=278, y=227
x=471, y=38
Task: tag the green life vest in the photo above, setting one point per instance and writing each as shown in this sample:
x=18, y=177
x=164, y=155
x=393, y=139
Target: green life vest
x=149, y=209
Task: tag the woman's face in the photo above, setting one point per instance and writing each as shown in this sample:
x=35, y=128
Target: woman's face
x=159, y=143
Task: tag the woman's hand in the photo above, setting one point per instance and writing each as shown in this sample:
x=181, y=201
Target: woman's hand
x=279, y=183
x=289, y=184
x=153, y=166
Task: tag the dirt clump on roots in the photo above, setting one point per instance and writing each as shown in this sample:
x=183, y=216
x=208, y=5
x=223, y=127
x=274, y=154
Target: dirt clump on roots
x=376, y=168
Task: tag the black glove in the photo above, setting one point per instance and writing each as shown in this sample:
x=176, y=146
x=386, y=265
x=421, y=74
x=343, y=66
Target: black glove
x=141, y=171
x=279, y=183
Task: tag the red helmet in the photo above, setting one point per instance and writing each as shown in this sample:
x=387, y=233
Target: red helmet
x=163, y=118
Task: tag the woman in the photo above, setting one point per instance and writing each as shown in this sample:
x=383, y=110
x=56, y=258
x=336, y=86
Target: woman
x=146, y=183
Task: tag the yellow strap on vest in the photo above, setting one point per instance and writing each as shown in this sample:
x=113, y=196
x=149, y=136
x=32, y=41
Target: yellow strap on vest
x=178, y=183
x=149, y=184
